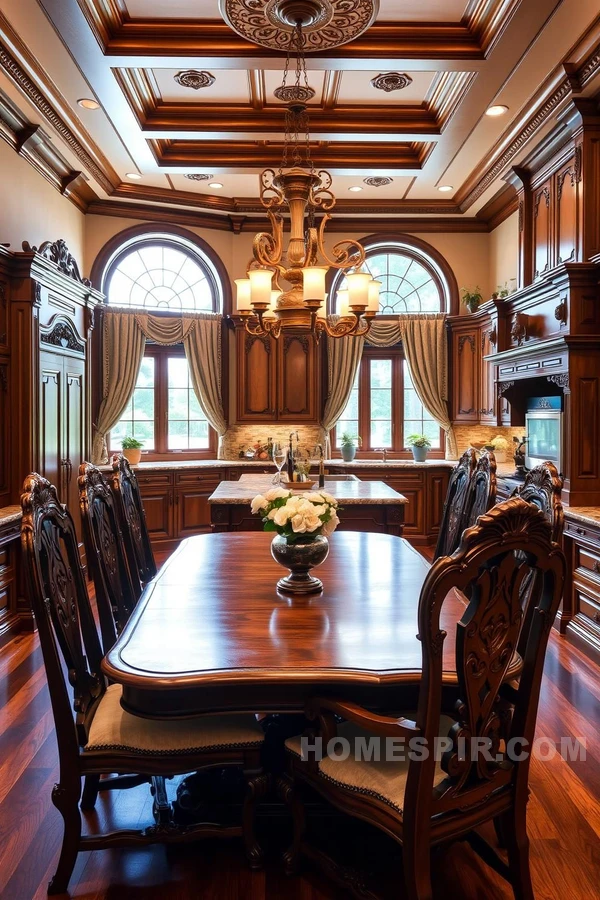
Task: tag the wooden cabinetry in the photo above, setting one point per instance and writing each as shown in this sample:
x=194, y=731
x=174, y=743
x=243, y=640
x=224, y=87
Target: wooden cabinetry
x=488, y=402
x=580, y=614
x=475, y=397
x=176, y=502
x=466, y=364
x=278, y=380
x=424, y=488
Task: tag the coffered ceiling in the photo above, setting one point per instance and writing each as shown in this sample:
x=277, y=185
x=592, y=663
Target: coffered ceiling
x=183, y=97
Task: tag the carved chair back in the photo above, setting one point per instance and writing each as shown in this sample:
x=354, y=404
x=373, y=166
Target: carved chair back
x=489, y=567
x=133, y=521
x=543, y=487
x=115, y=592
x=456, y=495
x=63, y=614
x=481, y=495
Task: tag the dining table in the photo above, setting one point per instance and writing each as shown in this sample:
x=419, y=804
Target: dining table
x=211, y=632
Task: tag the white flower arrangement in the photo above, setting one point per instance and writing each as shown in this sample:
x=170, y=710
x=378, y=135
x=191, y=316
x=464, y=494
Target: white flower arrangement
x=299, y=517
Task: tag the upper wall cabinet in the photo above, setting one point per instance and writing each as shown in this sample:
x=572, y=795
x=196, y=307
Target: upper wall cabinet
x=541, y=229
x=474, y=391
x=278, y=380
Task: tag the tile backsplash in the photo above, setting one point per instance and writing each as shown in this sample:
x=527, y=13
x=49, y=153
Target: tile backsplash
x=240, y=437
x=465, y=434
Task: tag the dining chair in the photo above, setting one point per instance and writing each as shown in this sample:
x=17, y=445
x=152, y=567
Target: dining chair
x=543, y=487
x=132, y=517
x=481, y=494
x=456, y=496
x=94, y=733
x=434, y=798
x=116, y=595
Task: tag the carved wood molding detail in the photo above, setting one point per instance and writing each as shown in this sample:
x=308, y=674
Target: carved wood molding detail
x=251, y=339
x=35, y=96
x=62, y=333
x=463, y=339
x=58, y=253
x=505, y=386
x=561, y=380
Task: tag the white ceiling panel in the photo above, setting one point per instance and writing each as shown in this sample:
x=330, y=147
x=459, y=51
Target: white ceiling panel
x=356, y=87
x=230, y=86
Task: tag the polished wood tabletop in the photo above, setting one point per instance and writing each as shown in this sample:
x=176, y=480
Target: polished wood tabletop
x=211, y=631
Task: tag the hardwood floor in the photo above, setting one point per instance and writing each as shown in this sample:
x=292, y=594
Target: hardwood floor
x=564, y=811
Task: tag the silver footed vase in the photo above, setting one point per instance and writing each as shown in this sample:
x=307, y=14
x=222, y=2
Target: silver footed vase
x=300, y=557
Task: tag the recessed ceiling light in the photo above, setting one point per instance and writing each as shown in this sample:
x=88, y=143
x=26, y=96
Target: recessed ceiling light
x=444, y=188
x=215, y=185
x=135, y=176
x=497, y=110
x=88, y=103
x=355, y=188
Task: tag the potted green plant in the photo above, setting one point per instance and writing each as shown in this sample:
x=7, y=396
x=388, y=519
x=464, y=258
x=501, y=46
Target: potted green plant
x=472, y=299
x=132, y=449
x=499, y=445
x=348, y=445
x=419, y=444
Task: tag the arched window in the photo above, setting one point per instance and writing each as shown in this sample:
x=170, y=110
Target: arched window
x=414, y=278
x=384, y=408
x=162, y=272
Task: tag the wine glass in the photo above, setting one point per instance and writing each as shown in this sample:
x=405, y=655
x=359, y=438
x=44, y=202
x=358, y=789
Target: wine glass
x=278, y=459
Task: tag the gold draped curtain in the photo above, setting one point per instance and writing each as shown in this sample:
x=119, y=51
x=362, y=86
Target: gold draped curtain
x=124, y=337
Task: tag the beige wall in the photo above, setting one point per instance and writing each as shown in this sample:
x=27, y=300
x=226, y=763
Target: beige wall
x=467, y=254
x=32, y=210
x=504, y=251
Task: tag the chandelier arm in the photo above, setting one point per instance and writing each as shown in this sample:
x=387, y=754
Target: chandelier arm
x=346, y=326
x=268, y=248
x=348, y=254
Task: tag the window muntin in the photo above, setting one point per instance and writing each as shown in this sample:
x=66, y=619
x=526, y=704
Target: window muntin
x=187, y=426
x=160, y=272
x=138, y=418
x=384, y=407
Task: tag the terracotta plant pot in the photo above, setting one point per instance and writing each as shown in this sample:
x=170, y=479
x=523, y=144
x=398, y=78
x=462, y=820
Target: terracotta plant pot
x=133, y=455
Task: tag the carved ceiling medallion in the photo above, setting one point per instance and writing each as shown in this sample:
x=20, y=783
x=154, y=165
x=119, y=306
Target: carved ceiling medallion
x=192, y=78
x=294, y=93
x=391, y=81
x=325, y=23
x=198, y=176
x=377, y=180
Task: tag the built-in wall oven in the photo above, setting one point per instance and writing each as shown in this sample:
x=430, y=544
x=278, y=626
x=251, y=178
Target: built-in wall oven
x=543, y=425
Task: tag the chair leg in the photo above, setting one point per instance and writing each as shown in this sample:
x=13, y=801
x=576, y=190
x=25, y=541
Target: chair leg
x=499, y=829
x=416, y=856
x=288, y=793
x=91, y=786
x=162, y=809
x=257, y=787
x=66, y=800
x=514, y=829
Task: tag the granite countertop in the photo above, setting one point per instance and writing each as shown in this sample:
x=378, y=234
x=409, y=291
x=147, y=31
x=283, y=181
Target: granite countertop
x=172, y=465
x=347, y=492
x=587, y=515
x=10, y=514
x=390, y=463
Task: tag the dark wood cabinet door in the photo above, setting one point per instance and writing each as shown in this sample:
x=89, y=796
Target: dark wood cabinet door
x=4, y=290
x=255, y=378
x=297, y=379
x=566, y=213
x=465, y=375
x=192, y=509
x=488, y=414
x=158, y=506
x=542, y=242
x=4, y=434
x=52, y=456
x=74, y=431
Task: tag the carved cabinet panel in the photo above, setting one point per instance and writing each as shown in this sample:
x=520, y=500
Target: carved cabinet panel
x=192, y=509
x=566, y=212
x=296, y=379
x=156, y=490
x=256, y=364
x=4, y=294
x=277, y=380
x=542, y=241
x=488, y=407
x=465, y=374
x=4, y=435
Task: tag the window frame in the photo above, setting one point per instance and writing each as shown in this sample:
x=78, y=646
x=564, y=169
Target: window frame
x=397, y=451
x=161, y=354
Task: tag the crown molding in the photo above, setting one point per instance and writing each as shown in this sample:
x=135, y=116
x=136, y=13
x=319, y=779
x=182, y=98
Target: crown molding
x=239, y=223
x=35, y=146
x=499, y=208
x=25, y=72
x=565, y=81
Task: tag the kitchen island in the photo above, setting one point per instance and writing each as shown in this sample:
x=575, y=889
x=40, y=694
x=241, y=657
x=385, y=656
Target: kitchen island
x=366, y=505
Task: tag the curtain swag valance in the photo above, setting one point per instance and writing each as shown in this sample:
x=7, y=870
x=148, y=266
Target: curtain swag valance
x=125, y=332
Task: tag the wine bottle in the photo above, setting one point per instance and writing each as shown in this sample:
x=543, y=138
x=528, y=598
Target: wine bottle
x=290, y=462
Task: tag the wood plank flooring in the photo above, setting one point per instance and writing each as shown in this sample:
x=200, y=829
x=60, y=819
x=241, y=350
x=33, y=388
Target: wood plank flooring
x=564, y=811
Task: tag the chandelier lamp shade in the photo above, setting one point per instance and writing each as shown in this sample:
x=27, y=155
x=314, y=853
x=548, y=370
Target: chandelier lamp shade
x=286, y=280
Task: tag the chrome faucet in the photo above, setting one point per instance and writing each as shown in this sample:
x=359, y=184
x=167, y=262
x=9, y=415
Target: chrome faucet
x=383, y=451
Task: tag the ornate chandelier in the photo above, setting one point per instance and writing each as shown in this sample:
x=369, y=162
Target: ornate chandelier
x=264, y=305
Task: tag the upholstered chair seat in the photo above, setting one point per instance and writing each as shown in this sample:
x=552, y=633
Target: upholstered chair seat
x=384, y=779
x=113, y=730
